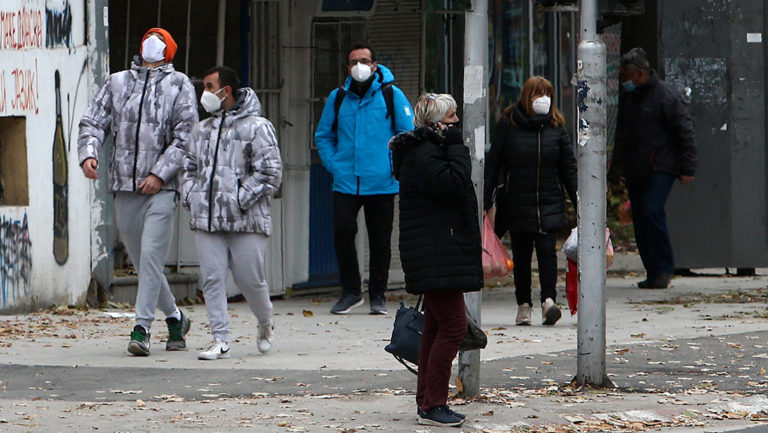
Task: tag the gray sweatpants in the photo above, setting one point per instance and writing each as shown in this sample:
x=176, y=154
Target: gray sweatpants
x=243, y=253
x=145, y=223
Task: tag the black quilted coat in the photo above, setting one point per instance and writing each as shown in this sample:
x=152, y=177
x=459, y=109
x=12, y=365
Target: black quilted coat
x=540, y=168
x=440, y=246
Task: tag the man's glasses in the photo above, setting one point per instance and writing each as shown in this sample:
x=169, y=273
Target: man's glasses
x=364, y=61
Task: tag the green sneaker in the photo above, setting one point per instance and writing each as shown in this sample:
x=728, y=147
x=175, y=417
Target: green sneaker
x=177, y=330
x=139, y=344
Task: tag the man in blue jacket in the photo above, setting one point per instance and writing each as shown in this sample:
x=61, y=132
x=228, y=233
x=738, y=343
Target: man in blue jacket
x=655, y=144
x=352, y=138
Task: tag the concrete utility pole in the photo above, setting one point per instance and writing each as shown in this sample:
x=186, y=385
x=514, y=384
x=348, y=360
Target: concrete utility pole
x=475, y=121
x=591, y=202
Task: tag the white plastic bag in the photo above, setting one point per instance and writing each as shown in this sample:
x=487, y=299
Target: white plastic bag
x=571, y=245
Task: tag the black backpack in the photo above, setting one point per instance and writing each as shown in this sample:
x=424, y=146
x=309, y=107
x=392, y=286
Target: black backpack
x=389, y=99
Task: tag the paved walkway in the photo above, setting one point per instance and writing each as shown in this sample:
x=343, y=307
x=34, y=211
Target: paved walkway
x=691, y=358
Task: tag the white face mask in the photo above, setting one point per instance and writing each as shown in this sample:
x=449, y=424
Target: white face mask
x=361, y=73
x=210, y=101
x=542, y=104
x=153, y=49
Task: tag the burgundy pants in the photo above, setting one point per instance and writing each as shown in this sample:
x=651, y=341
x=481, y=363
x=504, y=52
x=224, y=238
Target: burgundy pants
x=445, y=323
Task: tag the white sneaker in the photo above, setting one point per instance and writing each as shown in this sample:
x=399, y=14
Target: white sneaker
x=550, y=312
x=266, y=336
x=523, y=315
x=217, y=350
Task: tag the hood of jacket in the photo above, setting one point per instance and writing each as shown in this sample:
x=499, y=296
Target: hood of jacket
x=382, y=76
x=247, y=104
x=137, y=68
x=534, y=123
x=402, y=143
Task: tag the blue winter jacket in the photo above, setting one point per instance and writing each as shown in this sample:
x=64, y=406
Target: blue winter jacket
x=357, y=154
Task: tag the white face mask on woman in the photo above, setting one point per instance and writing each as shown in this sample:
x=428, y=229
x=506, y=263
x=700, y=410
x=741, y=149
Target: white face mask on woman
x=153, y=49
x=210, y=101
x=361, y=72
x=542, y=104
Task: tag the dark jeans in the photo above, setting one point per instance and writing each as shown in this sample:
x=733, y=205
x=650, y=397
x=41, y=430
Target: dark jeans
x=379, y=212
x=445, y=323
x=546, y=255
x=648, y=197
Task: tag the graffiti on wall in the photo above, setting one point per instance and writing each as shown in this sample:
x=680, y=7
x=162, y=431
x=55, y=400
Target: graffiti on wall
x=19, y=89
x=15, y=259
x=58, y=23
x=21, y=29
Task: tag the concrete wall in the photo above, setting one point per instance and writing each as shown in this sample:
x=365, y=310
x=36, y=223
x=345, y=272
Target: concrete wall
x=37, y=38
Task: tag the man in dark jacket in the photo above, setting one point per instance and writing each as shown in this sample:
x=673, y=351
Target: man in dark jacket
x=655, y=143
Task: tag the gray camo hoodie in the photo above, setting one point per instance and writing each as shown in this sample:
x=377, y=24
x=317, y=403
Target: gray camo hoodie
x=233, y=169
x=151, y=113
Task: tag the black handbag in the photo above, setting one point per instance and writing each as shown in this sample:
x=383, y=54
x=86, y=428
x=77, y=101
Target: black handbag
x=409, y=327
x=406, y=335
x=475, y=338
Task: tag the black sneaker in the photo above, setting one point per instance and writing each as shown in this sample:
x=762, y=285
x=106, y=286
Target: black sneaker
x=440, y=416
x=177, y=330
x=378, y=307
x=347, y=303
x=421, y=413
x=139, y=344
x=655, y=282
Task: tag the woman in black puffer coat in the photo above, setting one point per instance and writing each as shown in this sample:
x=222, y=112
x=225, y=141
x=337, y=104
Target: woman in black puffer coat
x=533, y=147
x=440, y=245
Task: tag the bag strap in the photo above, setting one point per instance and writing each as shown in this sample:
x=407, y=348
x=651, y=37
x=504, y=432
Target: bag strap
x=419, y=303
x=340, y=94
x=389, y=100
x=402, y=361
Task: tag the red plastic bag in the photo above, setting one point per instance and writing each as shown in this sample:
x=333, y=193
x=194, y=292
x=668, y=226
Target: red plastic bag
x=572, y=286
x=625, y=213
x=496, y=259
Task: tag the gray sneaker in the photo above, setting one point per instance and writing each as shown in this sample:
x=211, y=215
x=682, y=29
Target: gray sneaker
x=177, y=330
x=347, y=303
x=139, y=344
x=378, y=307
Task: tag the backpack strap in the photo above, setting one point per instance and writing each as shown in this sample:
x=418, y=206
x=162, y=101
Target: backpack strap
x=389, y=99
x=340, y=94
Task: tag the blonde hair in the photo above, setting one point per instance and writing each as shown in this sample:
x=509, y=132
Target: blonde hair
x=538, y=86
x=432, y=107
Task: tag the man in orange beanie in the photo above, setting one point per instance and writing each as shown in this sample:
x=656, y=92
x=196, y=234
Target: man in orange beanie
x=151, y=110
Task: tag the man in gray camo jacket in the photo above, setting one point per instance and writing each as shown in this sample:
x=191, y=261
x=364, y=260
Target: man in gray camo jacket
x=150, y=110
x=232, y=171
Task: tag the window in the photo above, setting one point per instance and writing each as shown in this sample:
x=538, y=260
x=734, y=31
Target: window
x=14, y=182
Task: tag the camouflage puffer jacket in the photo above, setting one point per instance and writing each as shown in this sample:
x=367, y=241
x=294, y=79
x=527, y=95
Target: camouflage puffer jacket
x=232, y=170
x=151, y=113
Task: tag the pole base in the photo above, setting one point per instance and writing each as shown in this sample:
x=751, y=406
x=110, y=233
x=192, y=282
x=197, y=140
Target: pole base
x=579, y=384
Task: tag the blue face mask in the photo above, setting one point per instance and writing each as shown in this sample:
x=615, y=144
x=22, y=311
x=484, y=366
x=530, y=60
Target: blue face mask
x=629, y=86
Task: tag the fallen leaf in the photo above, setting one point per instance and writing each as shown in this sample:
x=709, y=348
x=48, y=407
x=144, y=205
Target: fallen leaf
x=489, y=413
x=140, y=403
x=640, y=335
x=307, y=313
x=459, y=385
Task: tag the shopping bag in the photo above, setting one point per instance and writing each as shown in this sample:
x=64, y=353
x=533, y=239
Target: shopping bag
x=406, y=335
x=496, y=259
x=571, y=249
x=571, y=245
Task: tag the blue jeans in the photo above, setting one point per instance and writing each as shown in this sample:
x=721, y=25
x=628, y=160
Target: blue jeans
x=648, y=197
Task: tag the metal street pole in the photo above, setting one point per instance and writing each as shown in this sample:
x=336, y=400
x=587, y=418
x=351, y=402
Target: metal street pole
x=591, y=202
x=475, y=121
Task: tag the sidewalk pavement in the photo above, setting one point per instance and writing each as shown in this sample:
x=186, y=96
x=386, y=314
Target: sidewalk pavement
x=689, y=359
